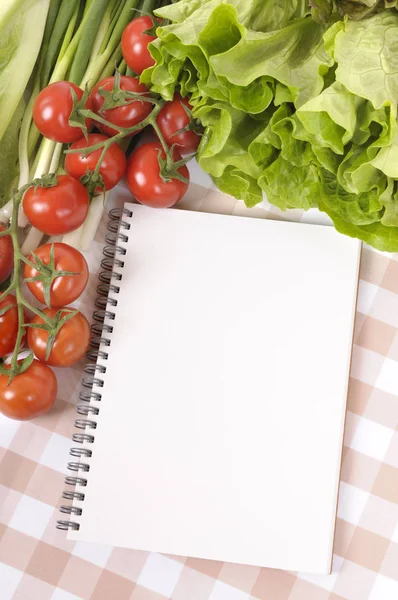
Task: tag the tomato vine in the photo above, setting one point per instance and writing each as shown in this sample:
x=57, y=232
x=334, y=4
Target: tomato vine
x=169, y=169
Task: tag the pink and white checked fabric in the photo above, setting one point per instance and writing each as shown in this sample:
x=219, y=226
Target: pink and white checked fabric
x=38, y=563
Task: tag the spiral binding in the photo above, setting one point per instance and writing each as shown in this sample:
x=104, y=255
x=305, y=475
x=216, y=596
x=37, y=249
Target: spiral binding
x=108, y=285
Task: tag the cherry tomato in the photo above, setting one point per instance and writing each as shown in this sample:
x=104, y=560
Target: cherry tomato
x=66, y=289
x=9, y=325
x=112, y=168
x=52, y=109
x=135, y=44
x=144, y=180
x=125, y=116
x=59, y=209
x=6, y=256
x=30, y=394
x=172, y=118
x=70, y=344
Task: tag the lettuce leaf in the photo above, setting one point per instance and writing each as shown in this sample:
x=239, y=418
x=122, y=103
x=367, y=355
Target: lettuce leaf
x=347, y=211
x=294, y=55
x=326, y=10
x=232, y=132
x=288, y=186
x=258, y=15
x=301, y=109
x=387, y=159
x=367, y=58
x=240, y=185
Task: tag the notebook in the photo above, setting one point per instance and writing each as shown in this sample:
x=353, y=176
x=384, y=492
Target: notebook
x=216, y=419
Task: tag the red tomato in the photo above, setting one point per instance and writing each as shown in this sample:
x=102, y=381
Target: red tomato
x=6, y=256
x=59, y=209
x=9, y=325
x=125, y=116
x=135, y=44
x=70, y=344
x=66, y=289
x=112, y=168
x=172, y=118
x=52, y=109
x=30, y=394
x=144, y=180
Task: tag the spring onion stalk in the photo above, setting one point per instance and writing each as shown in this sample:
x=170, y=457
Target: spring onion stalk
x=55, y=5
x=149, y=6
x=56, y=158
x=101, y=34
x=32, y=241
x=73, y=237
x=115, y=17
x=96, y=66
x=122, y=67
x=23, y=156
x=90, y=28
x=90, y=226
x=69, y=33
x=111, y=65
x=64, y=64
x=66, y=17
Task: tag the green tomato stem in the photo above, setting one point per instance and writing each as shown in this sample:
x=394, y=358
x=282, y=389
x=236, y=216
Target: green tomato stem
x=36, y=311
x=161, y=138
x=123, y=131
x=15, y=284
x=101, y=158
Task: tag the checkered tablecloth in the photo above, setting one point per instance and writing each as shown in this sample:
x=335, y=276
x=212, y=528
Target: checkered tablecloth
x=38, y=563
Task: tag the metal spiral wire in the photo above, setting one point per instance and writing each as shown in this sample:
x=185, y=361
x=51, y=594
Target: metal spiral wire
x=108, y=284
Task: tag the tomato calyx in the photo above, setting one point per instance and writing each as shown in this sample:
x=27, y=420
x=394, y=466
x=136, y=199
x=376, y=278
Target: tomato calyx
x=169, y=168
x=152, y=30
x=118, y=97
x=53, y=326
x=47, y=273
x=45, y=181
x=92, y=180
x=78, y=115
x=155, y=21
x=17, y=367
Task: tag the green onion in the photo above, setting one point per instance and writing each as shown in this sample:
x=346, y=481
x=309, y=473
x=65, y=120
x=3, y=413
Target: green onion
x=67, y=14
x=149, y=6
x=99, y=64
x=90, y=28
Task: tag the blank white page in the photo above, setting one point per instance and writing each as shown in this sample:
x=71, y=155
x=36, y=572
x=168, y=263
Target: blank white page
x=222, y=414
